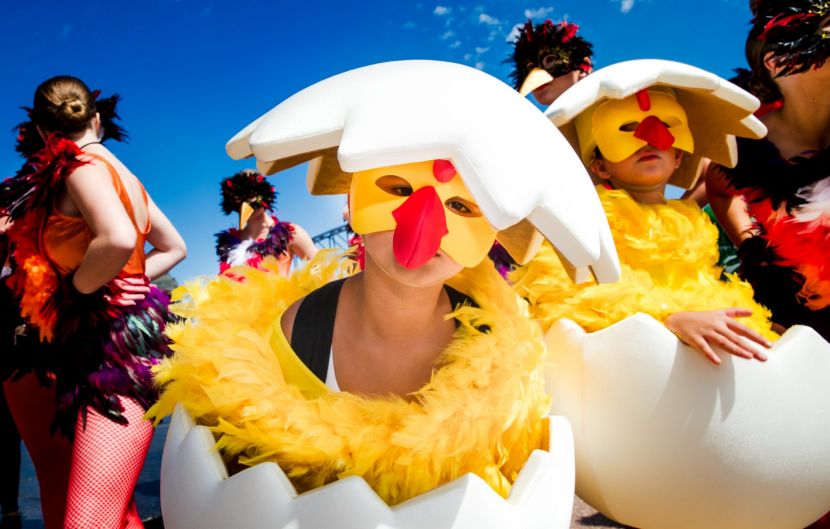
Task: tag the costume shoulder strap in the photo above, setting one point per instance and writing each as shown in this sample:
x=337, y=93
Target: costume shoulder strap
x=122, y=192
x=313, y=328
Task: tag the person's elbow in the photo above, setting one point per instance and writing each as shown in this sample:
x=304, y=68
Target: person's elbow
x=178, y=251
x=119, y=244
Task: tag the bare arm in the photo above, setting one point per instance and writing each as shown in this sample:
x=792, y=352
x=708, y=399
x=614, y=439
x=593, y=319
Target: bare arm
x=90, y=189
x=729, y=208
x=301, y=245
x=168, y=246
x=698, y=192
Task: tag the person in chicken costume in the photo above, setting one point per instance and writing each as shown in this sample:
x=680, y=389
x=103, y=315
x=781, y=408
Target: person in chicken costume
x=663, y=437
x=411, y=394
x=260, y=232
x=548, y=58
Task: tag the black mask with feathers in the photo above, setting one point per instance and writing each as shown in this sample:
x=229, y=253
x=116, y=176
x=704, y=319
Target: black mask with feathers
x=553, y=47
x=247, y=186
x=794, y=31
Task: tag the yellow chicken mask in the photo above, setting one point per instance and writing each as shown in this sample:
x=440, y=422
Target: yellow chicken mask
x=620, y=127
x=428, y=207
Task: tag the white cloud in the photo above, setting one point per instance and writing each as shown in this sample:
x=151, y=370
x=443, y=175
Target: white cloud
x=514, y=34
x=626, y=5
x=484, y=18
x=409, y=25
x=441, y=10
x=480, y=50
x=539, y=12
x=448, y=35
x=468, y=56
x=455, y=44
x=480, y=65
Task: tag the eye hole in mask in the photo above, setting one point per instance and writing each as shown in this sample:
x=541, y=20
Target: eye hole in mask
x=631, y=126
x=462, y=207
x=394, y=185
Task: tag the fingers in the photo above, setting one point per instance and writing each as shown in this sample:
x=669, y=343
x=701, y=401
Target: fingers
x=731, y=343
x=703, y=347
x=741, y=329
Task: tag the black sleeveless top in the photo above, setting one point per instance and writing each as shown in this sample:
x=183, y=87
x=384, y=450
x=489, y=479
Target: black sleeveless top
x=313, y=328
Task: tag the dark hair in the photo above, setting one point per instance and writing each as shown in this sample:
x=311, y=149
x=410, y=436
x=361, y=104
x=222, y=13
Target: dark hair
x=757, y=80
x=63, y=104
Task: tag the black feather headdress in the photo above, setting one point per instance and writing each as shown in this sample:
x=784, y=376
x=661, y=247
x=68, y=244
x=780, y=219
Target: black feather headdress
x=247, y=186
x=793, y=30
x=556, y=48
x=29, y=141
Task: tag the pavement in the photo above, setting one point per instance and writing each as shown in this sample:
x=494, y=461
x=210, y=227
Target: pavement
x=149, y=507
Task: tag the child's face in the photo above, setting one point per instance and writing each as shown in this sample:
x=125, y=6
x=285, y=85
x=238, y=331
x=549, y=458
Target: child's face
x=647, y=168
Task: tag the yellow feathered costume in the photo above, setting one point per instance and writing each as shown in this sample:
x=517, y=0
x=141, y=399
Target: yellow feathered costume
x=482, y=411
x=668, y=253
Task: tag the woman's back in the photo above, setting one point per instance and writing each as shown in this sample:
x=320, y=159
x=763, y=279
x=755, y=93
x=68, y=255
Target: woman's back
x=67, y=235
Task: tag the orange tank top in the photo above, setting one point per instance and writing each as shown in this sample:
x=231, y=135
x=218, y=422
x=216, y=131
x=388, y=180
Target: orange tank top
x=64, y=239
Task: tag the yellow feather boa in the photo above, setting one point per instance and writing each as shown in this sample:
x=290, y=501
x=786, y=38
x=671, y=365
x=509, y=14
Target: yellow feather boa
x=668, y=253
x=482, y=411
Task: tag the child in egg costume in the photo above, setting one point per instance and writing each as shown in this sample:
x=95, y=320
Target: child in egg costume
x=636, y=145
x=664, y=438
x=450, y=391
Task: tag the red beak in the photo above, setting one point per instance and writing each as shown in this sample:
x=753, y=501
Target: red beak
x=421, y=224
x=652, y=131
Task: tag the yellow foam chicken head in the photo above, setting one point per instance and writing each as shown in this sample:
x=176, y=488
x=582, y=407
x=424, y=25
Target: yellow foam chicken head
x=620, y=127
x=427, y=206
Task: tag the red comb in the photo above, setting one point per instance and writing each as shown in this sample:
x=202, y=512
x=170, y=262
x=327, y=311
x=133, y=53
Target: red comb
x=643, y=101
x=443, y=170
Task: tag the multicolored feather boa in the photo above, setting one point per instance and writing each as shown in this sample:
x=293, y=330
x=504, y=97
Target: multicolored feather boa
x=668, y=255
x=28, y=197
x=790, y=201
x=95, y=350
x=233, y=250
x=482, y=411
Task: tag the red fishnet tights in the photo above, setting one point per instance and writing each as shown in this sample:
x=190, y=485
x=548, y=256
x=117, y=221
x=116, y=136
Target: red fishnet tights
x=92, y=481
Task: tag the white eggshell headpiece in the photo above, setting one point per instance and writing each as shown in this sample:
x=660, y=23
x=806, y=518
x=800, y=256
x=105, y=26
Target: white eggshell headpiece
x=525, y=177
x=717, y=110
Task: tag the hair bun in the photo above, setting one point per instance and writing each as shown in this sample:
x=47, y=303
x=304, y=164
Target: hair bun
x=72, y=109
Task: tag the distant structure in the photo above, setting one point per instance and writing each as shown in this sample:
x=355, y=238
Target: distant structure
x=334, y=238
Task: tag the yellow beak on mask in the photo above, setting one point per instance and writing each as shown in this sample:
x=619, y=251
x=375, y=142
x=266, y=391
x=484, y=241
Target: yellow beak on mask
x=245, y=213
x=428, y=207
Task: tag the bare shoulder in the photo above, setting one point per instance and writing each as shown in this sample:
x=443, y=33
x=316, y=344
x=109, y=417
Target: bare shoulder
x=288, y=317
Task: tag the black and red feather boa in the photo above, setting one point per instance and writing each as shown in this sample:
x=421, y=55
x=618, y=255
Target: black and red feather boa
x=787, y=263
x=275, y=244
x=95, y=351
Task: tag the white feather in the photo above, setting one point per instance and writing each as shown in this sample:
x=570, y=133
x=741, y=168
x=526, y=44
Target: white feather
x=817, y=207
x=240, y=255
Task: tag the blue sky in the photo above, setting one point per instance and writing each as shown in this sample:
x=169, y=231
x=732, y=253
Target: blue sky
x=193, y=73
